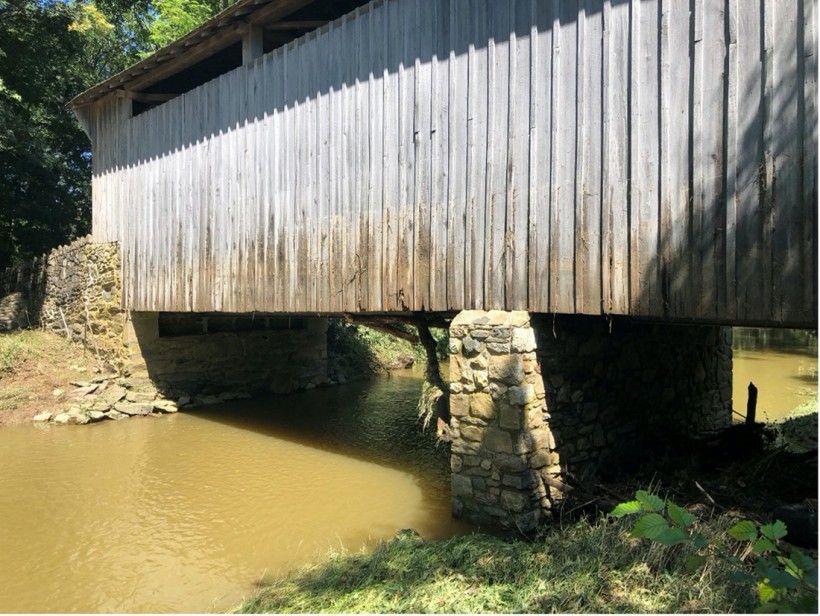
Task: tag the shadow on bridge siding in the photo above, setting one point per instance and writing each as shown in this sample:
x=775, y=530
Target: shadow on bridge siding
x=730, y=237
x=404, y=46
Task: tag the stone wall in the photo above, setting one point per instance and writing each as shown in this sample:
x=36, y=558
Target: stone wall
x=239, y=362
x=537, y=400
x=612, y=385
x=503, y=459
x=75, y=291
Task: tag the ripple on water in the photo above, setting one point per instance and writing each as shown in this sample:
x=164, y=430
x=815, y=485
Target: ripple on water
x=186, y=512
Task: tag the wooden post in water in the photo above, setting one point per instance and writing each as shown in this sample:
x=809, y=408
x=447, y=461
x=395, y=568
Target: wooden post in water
x=751, y=405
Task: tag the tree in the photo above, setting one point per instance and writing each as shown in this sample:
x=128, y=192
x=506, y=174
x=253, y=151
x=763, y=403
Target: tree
x=175, y=18
x=50, y=51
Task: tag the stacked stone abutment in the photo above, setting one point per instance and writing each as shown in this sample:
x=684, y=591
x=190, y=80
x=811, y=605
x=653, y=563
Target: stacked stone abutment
x=505, y=470
x=538, y=400
x=75, y=291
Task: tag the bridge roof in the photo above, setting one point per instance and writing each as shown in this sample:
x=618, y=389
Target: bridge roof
x=289, y=18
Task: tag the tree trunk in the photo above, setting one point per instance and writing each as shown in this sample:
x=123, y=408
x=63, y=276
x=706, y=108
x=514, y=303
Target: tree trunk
x=433, y=376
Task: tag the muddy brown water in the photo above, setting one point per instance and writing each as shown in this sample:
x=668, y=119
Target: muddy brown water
x=186, y=512
x=783, y=367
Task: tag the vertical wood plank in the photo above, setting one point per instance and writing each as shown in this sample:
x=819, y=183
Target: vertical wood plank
x=540, y=129
x=498, y=83
x=675, y=88
x=439, y=145
x=458, y=250
x=589, y=155
x=516, y=241
x=477, y=96
x=645, y=164
x=809, y=132
x=392, y=40
x=787, y=236
x=374, y=67
x=564, y=110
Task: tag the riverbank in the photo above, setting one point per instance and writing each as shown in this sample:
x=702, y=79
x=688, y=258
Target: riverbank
x=586, y=562
x=36, y=369
x=582, y=567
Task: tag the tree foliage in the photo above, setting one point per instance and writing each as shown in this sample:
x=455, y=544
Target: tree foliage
x=176, y=18
x=50, y=51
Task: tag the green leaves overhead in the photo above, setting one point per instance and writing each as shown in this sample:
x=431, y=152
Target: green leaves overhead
x=50, y=51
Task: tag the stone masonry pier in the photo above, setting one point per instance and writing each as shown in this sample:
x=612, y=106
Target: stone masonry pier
x=536, y=398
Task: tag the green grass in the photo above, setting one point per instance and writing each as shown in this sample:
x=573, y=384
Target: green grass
x=360, y=350
x=18, y=347
x=586, y=567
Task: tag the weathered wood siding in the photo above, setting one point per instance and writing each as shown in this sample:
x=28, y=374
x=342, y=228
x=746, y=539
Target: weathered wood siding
x=649, y=158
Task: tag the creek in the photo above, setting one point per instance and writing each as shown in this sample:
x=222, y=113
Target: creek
x=187, y=512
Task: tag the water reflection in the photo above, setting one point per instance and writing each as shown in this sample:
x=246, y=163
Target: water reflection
x=186, y=512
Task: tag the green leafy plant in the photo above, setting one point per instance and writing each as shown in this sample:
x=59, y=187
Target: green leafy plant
x=785, y=579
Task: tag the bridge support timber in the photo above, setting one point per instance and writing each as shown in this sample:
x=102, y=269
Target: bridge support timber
x=538, y=399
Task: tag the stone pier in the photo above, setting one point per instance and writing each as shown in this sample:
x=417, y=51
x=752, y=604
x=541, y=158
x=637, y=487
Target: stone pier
x=535, y=399
x=505, y=470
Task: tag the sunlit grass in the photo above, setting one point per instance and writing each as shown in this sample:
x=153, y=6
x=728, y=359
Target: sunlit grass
x=585, y=567
x=20, y=346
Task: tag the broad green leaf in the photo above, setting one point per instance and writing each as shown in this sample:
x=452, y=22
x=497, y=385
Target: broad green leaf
x=672, y=535
x=744, y=530
x=807, y=564
x=780, y=579
x=624, y=509
x=763, y=545
x=649, y=526
x=650, y=502
x=741, y=577
x=679, y=515
x=790, y=566
x=774, y=531
x=699, y=541
x=765, y=592
x=694, y=562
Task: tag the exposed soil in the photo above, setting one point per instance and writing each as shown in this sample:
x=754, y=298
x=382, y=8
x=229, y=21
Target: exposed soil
x=34, y=366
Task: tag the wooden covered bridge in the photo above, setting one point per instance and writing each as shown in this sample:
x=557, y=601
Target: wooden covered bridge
x=635, y=158
x=600, y=157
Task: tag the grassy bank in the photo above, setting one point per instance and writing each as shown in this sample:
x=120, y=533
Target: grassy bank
x=34, y=366
x=585, y=567
x=356, y=350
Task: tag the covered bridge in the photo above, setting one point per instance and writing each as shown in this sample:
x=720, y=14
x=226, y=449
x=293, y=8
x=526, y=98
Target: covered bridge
x=616, y=157
x=532, y=165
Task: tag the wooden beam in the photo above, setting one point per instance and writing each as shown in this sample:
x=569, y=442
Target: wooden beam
x=251, y=44
x=277, y=10
x=147, y=97
x=191, y=56
x=297, y=24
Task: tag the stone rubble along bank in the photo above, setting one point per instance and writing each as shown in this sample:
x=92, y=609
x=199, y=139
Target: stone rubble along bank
x=116, y=397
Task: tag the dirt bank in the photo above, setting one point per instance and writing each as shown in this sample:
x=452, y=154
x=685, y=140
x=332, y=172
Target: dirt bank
x=36, y=369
